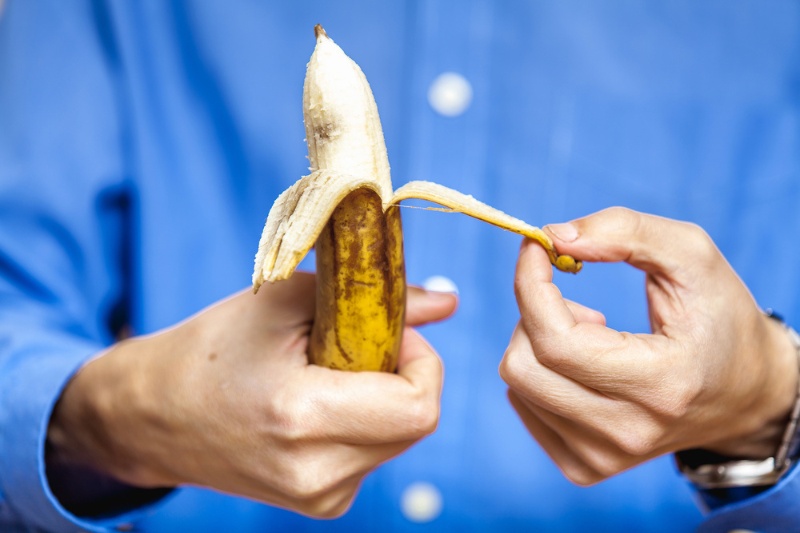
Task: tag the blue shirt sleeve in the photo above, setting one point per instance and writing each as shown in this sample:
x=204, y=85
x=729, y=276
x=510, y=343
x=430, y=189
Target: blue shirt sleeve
x=63, y=197
x=773, y=510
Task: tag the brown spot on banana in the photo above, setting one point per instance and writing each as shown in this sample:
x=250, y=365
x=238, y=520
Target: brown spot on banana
x=361, y=290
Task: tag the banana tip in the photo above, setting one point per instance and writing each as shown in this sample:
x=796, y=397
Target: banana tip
x=566, y=263
x=319, y=31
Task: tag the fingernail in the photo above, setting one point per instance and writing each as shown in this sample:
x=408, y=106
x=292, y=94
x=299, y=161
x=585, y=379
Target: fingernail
x=439, y=285
x=565, y=232
x=440, y=295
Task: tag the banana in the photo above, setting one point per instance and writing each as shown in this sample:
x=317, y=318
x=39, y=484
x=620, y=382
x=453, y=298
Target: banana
x=347, y=206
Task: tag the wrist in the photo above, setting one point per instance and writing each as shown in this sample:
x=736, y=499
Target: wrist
x=71, y=430
x=711, y=469
x=99, y=420
x=763, y=422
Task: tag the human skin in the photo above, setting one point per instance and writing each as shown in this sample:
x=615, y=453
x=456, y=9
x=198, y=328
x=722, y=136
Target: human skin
x=715, y=373
x=227, y=400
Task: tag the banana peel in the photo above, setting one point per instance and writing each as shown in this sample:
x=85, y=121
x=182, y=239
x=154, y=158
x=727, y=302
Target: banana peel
x=347, y=208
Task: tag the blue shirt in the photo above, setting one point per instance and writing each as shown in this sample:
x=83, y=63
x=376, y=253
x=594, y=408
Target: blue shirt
x=142, y=144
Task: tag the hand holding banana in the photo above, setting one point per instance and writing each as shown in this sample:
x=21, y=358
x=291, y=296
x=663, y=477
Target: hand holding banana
x=227, y=400
x=348, y=208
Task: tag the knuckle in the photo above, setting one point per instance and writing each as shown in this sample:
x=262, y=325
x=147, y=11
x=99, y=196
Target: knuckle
x=605, y=465
x=290, y=418
x=581, y=475
x=557, y=360
x=303, y=483
x=636, y=441
x=699, y=240
x=330, y=506
x=623, y=214
x=423, y=418
x=675, y=397
x=518, y=368
x=513, y=368
x=621, y=219
x=324, y=511
x=677, y=406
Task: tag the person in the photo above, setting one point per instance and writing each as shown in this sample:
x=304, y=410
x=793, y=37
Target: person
x=141, y=145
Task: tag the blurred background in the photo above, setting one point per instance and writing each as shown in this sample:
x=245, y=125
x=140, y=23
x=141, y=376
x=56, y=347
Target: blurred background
x=546, y=110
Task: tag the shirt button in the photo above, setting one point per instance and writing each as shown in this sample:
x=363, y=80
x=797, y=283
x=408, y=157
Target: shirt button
x=450, y=94
x=440, y=284
x=421, y=502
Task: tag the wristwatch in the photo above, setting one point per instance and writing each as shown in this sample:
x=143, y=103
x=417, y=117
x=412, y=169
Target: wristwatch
x=709, y=470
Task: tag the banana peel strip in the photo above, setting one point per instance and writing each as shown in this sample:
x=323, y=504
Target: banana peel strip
x=297, y=218
x=468, y=205
x=300, y=213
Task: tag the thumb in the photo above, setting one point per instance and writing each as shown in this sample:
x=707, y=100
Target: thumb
x=651, y=243
x=424, y=306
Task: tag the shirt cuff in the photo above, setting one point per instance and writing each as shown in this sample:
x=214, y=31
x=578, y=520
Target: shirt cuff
x=32, y=378
x=772, y=510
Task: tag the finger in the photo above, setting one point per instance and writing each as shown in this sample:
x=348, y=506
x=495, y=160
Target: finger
x=553, y=391
x=334, y=502
x=547, y=318
x=294, y=298
x=376, y=407
x=612, y=426
x=602, y=451
x=588, y=445
x=425, y=306
x=585, y=314
x=536, y=293
x=587, y=352
x=651, y=243
x=419, y=363
x=322, y=490
x=554, y=445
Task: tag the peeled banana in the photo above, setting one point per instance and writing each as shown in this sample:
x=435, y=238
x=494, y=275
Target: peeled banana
x=347, y=206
